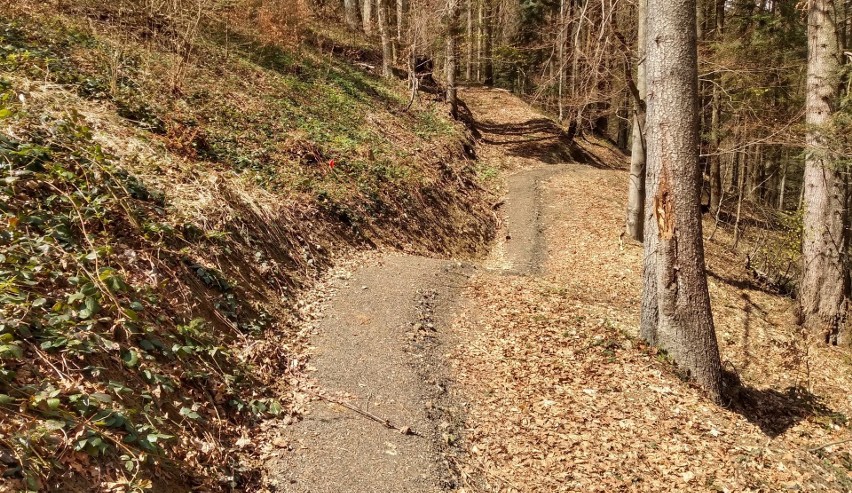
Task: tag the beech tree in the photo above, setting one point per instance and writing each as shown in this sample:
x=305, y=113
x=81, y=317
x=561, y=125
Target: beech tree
x=823, y=288
x=636, y=186
x=684, y=326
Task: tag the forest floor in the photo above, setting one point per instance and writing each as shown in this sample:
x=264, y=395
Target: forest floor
x=524, y=372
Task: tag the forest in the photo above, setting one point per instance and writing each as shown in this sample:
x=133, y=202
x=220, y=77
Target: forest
x=425, y=245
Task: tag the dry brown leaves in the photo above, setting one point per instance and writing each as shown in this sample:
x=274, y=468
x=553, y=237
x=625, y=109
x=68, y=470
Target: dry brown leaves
x=564, y=398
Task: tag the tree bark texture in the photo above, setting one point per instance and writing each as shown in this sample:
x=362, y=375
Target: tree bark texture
x=823, y=288
x=488, y=42
x=685, y=323
x=402, y=29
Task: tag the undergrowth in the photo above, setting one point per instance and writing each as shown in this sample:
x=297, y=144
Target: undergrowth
x=145, y=300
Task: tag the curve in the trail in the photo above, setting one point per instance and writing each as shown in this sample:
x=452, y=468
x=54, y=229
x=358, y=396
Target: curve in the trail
x=380, y=345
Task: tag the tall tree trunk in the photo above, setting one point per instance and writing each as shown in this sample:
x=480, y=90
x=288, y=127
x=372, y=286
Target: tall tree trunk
x=782, y=187
x=367, y=18
x=488, y=41
x=823, y=288
x=561, y=38
x=740, y=191
x=636, y=186
x=685, y=324
x=720, y=18
x=402, y=29
x=480, y=35
x=384, y=31
x=469, y=43
x=350, y=8
x=715, y=157
x=753, y=160
x=452, y=55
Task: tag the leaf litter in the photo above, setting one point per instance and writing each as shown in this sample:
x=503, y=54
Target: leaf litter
x=563, y=396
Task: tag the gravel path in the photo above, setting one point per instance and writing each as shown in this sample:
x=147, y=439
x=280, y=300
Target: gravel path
x=380, y=347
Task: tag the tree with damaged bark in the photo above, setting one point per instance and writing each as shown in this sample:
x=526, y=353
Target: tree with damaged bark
x=823, y=288
x=684, y=322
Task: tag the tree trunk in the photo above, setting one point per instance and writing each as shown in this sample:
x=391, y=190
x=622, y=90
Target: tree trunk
x=636, y=186
x=740, y=190
x=402, y=28
x=480, y=35
x=367, y=16
x=350, y=7
x=469, y=43
x=561, y=38
x=823, y=288
x=782, y=187
x=488, y=69
x=715, y=157
x=685, y=322
x=452, y=55
x=384, y=31
x=720, y=18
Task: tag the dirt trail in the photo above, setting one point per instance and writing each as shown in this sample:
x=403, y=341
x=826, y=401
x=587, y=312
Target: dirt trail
x=380, y=343
x=520, y=247
x=525, y=375
x=370, y=352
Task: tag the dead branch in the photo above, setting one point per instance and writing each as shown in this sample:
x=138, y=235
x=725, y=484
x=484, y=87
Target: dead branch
x=405, y=430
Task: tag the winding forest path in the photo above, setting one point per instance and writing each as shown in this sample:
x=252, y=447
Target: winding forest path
x=380, y=341
x=523, y=372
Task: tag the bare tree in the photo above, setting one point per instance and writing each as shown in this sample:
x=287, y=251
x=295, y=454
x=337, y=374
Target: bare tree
x=487, y=42
x=823, y=288
x=561, y=39
x=368, y=16
x=452, y=55
x=350, y=7
x=403, y=42
x=636, y=190
x=685, y=323
x=384, y=31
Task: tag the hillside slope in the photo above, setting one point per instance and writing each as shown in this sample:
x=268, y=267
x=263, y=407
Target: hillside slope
x=162, y=205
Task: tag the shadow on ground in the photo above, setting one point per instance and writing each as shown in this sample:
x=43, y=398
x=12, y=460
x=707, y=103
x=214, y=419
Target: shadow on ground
x=538, y=138
x=775, y=411
x=751, y=284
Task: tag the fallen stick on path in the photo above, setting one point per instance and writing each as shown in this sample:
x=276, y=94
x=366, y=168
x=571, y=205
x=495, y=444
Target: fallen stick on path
x=405, y=430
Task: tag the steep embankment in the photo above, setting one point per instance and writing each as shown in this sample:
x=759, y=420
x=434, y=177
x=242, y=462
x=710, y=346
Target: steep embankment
x=168, y=187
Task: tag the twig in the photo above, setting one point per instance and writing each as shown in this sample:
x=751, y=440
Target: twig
x=405, y=430
x=829, y=445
